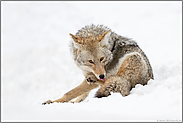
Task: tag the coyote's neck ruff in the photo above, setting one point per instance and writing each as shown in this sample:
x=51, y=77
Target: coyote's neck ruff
x=107, y=59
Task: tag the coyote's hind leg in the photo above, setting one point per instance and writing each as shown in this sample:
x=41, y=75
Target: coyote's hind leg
x=114, y=84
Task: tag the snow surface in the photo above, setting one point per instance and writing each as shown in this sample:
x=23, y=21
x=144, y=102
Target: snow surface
x=37, y=64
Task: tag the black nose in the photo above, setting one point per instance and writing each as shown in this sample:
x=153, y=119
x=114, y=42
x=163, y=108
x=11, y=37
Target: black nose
x=101, y=76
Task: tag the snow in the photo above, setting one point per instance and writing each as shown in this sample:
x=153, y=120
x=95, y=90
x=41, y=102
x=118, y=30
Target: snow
x=37, y=64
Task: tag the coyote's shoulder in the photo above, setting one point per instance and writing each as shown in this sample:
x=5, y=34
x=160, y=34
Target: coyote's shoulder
x=115, y=62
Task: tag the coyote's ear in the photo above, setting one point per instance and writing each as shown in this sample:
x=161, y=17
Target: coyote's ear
x=76, y=40
x=103, y=39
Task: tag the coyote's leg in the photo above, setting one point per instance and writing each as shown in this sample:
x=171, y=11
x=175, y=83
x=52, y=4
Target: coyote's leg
x=132, y=71
x=81, y=98
x=79, y=90
x=114, y=84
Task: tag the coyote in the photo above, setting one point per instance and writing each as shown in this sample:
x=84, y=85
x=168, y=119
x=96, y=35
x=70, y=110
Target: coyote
x=113, y=62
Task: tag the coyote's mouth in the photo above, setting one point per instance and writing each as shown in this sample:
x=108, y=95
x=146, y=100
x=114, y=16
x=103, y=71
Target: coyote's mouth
x=102, y=79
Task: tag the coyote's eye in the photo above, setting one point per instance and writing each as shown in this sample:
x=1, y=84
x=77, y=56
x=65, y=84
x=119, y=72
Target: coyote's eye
x=102, y=58
x=91, y=61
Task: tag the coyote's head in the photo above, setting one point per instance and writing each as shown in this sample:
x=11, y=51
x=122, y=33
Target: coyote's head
x=92, y=53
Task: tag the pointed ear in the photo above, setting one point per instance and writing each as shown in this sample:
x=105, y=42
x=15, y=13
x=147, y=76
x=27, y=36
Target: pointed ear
x=76, y=40
x=103, y=39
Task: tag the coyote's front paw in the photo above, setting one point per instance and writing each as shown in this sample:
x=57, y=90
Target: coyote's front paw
x=91, y=79
x=47, y=102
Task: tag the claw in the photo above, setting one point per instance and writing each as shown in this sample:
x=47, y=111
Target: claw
x=47, y=102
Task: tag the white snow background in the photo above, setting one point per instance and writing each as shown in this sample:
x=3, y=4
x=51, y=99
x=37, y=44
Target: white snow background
x=37, y=64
